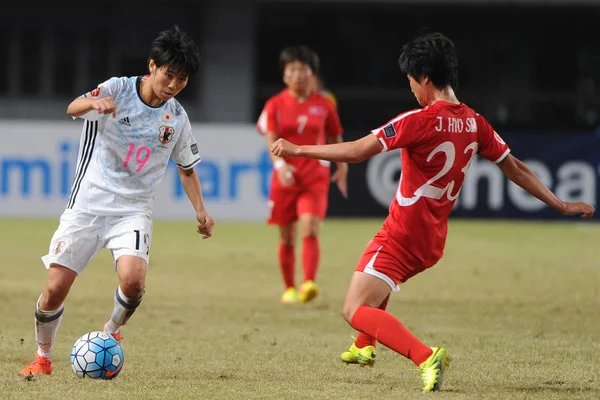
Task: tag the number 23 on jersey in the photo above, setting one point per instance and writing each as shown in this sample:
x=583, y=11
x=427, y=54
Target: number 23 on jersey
x=428, y=189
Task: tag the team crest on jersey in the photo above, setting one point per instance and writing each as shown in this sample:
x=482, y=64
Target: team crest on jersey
x=317, y=110
x=95, y=92
x=59, y=247
x=166, y=133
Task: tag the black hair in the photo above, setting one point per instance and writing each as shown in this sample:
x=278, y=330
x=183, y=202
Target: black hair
x=176, y=49
x=299, y=53
x=431, y=55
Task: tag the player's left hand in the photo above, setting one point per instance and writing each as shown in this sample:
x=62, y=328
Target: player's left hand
x=340, y=177
x=205, y=224
x=584, y=210
x=282, y=147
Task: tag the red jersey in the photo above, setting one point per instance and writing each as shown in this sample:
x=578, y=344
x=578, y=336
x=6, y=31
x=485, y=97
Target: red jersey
x=308, y=122
x=438, y=143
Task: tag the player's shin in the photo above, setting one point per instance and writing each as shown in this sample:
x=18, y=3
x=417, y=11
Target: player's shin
x=387, y=330
x=123, y=310
x=287, y=259
x=46, y=326
x=310, y=257
x=362, y=339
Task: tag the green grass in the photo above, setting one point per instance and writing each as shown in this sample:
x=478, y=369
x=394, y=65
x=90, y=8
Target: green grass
x=516, y=304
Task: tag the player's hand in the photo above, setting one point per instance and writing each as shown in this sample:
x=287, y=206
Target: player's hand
x=282, y=147
x=285, y=174
x=105, y=106
x=340, y=177
x=584, y=210
x=205, y=224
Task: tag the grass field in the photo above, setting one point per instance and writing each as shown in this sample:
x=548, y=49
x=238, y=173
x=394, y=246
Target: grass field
x=516, y=304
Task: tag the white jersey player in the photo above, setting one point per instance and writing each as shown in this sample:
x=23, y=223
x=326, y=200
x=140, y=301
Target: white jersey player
x=122, y=159
x=132, y=128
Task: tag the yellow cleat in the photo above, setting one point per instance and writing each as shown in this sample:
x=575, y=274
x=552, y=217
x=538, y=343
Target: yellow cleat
x=364, y=357
x=433, y=369
x=290, y=296
x=308, y=291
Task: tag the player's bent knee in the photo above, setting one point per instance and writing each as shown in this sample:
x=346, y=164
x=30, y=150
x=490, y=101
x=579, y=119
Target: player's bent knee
x=57, y=288
x=131, y=271
x=133, y=289
x=348, y=312
x=53, y=297
x=310, y=225
x=287, y=234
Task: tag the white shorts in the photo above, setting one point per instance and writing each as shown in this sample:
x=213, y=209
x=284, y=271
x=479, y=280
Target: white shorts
x=80, y=235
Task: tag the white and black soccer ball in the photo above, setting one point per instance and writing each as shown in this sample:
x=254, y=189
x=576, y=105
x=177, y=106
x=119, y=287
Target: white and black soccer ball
x=97, y=355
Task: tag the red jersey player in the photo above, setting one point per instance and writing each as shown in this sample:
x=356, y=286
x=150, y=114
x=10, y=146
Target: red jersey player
x=438, y=143
x=300, y=187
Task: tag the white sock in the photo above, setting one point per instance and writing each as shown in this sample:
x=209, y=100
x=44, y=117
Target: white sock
x=46, y=326
x=122, y=311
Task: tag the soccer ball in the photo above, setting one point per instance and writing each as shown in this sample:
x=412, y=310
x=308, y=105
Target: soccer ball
x=97, y=355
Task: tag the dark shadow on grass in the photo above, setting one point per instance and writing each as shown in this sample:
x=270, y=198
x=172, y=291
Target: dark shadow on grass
x=556, y=389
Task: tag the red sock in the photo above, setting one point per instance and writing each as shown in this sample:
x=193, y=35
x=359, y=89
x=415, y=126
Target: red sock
x=310, y=257
x=362, y=339
x=287, y=259
x=388, y=331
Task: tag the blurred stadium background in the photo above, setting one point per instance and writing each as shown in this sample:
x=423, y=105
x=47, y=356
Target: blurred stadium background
x=531, y=67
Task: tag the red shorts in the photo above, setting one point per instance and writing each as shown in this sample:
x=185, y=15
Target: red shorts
x=387, y=263
x=287, y=203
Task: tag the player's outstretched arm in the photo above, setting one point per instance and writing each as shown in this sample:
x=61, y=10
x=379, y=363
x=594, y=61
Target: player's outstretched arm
x=349, y=152
x=519, y=173
x=83, y=105
x=191, y=185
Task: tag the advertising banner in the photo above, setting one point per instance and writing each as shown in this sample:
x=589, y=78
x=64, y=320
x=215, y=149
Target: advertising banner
x=38, y=162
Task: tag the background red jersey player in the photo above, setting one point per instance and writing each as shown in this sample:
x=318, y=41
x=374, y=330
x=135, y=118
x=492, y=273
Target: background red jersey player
x=438, y=143
x=300, y=187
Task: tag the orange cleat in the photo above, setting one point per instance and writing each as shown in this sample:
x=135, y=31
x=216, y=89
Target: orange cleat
x=41, y=365
x=116, y=335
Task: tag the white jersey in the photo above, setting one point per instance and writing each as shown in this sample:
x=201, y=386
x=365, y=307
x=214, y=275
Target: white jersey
x=122, y=160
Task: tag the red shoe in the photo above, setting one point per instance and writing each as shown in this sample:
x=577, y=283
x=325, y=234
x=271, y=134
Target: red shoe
x=116, y=335
x=41, y=365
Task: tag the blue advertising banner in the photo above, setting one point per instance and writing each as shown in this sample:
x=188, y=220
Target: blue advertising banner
x=38, y=160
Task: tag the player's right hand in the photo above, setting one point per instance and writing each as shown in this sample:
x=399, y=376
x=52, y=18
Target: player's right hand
x=105, y=105
x=285, y=174
x=282, y=147
x=584, y=210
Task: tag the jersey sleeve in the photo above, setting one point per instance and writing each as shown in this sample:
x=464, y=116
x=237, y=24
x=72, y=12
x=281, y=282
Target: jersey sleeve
x=185, y=152
x=333, y=126
x=269, y=119
x=399, y=132
x=109, y=88
x=491, y=145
